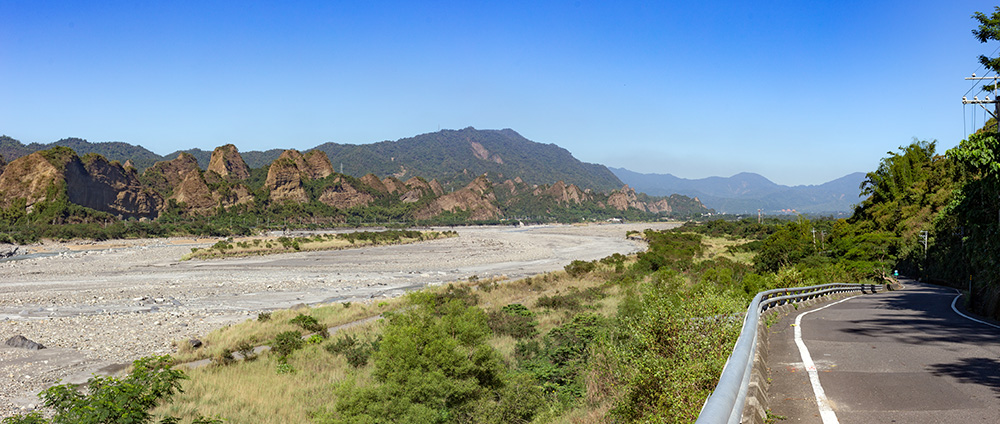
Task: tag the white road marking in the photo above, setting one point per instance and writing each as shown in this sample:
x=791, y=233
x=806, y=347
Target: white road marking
x=953, y=302
x=825, y=410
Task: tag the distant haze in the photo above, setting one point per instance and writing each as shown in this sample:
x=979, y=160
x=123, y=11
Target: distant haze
x=745, y=193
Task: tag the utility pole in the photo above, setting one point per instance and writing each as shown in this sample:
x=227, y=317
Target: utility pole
x=995, y=102
x=923, y=235
x=814, y=237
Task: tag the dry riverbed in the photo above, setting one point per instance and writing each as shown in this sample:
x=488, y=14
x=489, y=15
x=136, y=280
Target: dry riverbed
x=99, y=307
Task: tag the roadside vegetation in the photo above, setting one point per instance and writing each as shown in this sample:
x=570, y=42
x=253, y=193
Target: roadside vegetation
x=257, y=246
x=626, y=338
x=633, y=338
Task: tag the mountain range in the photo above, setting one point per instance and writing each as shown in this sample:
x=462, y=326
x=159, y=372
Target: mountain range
x=453, y=157
x=746, y=192
x=457, y=157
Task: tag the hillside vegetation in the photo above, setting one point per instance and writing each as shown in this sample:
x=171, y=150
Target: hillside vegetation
x=453, y=157
x=634, y=338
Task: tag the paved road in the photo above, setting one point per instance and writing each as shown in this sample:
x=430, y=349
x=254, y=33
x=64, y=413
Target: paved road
x=902, y=356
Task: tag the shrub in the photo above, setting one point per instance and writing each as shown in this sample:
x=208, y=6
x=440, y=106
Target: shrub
x=223, y=358
x=573, y=300
x=284, y=368
x=112, y=400
x=264, y=317
x=287, y=342
x=514, y=320
x=578, y=268
x=355, y=351
x=245, y=349
x=307, y=323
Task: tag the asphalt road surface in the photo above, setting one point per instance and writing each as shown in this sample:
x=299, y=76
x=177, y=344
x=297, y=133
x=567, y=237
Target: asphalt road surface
x=903, y=356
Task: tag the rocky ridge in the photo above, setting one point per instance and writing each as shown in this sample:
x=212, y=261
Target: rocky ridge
x=94, y=182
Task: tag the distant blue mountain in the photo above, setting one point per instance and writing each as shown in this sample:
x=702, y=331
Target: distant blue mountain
x=746, y=192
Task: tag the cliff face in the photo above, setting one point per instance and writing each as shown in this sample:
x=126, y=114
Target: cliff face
x=394, y=185
x=477, y=198
x=92, y=182
x=286, y=174
x=562, y=193
x=109, y=187
x=342, y=195
x=228, y=164
x=165, y=176
x=625, y=198
x=284, y=179
x=317, y=164
x=27, y=178
x=372, y=181
x=194, y=192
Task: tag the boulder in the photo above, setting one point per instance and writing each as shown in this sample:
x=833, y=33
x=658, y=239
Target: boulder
x=22, y=342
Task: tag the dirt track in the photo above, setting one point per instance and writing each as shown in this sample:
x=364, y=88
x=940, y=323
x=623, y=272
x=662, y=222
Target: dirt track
x=97, y=308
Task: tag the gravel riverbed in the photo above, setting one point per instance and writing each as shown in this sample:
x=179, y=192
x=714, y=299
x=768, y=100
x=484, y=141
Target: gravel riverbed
x=98, y=307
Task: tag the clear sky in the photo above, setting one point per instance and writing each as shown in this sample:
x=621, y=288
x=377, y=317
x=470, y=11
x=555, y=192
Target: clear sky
x=801, y=92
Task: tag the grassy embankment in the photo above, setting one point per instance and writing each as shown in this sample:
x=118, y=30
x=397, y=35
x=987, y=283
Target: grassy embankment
x=255, y=392
x=257, y=246
x=627, y=339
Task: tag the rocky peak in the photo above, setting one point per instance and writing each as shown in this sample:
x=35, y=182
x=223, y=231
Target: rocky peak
x=284, y=178
x=564, y=194
x=194, y=193
x=624, y=198
x=342, y=195
x=394, y=185
x=436, y=187
x=165, y=176
x=286, y=174
x=318, y=164
x=228, y=163
x=372, y=181
x=480, y=185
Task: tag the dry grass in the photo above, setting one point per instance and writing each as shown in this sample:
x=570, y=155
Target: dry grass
x=259, y=246
x=255, y=392
x=258, y=333
x=717, y=247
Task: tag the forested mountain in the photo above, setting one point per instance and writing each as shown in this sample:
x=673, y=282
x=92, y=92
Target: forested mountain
x=746, y=192
x=453, y=157
x=456, y=157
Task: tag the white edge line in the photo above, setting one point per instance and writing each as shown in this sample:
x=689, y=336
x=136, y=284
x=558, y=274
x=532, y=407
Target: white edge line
x=954, y=302
x=825, y=410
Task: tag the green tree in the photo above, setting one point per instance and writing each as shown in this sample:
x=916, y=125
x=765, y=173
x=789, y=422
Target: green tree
x=433, y=366
x=109, y=400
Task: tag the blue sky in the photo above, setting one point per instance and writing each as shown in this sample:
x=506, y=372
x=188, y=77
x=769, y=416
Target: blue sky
x=800, y=92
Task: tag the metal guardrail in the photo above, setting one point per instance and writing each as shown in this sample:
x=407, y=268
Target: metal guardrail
x=725, y=405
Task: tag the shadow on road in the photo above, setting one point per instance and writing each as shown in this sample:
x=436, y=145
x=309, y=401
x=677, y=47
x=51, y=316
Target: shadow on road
x=920, y=315
x=981, y=371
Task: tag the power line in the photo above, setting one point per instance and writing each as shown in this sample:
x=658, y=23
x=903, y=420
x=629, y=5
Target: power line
x=976, y=101
x=977, y=70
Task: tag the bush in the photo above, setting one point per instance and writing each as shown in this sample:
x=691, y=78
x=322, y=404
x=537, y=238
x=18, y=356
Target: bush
x=355, y=351
x=579, y=268
x=264, y=317
x=246, y=350
x=572, y=301
x=433, y=365
x=224, y=358
x=287, y=342
x=514, y=320
x=112, y=400
x=307, y=323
